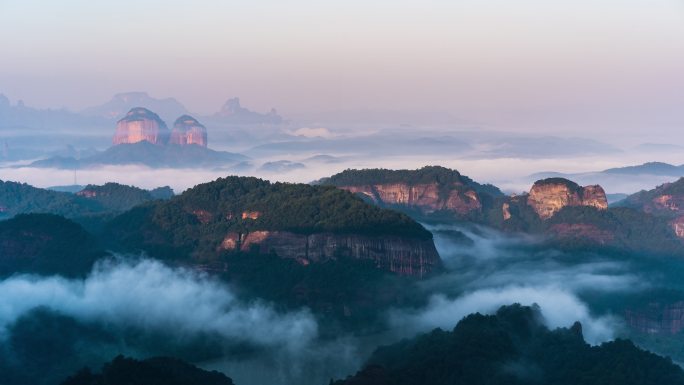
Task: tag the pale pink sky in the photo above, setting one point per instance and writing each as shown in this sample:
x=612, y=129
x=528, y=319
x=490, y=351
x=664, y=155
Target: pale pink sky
x=539, y=64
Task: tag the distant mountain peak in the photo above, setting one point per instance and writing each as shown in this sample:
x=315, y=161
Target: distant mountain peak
x=120, y=103
x=234, y=112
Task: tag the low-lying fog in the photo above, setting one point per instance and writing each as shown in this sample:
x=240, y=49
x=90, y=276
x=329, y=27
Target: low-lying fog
x=512, y=175
x=141, y=307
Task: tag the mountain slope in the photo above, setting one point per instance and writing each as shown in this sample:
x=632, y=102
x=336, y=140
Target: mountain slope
x=431, y=191
x=513, y=347
x=306, y=223
x=148, y=154
x=151, y=371
x=46, y=244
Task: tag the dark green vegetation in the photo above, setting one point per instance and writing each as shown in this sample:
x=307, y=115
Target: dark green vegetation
x=444, y=177
x=118, y=197
x=580, y=227
x=151, y=155
x=91, y=206
x=633, y=225
x=646, y=200
x=572, y=186
x=44, y=347
x=513, y=347
x=345, y=294
x=152, y=371
x=196, y=222
x=454, y=200
x=46, y=244
x=20, y=198
x=188, y=229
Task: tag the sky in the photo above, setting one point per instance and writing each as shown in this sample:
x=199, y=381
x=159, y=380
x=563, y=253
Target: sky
x=540, y=65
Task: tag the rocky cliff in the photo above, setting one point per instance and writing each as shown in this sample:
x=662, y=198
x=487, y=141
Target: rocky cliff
x=548, y=196
x=309, y=224
x=141, y=124
x=665, y=201
x=424, y=197
x=187, y=130
x=428, y=190
x=399, y=255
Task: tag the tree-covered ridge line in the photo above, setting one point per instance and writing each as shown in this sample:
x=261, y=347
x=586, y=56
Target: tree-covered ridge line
x=513, y=347
x=293, y=207
x=21, y=198
x=442, y=176
x=152, y=371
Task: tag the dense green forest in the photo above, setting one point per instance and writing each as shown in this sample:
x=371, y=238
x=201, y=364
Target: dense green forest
x=513, y=347
x=46, y=244
x=199, y=219
x=443, y=176
x=152, y=371
x=21, y=198
x=18, y=198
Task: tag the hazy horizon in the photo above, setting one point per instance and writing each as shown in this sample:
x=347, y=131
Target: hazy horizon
x=532, y=66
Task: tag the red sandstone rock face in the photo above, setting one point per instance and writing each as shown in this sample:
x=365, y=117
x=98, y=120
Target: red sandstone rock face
x=657, y=318
x=678, y=226
x=187, y=130
x=401, y=256
x=141, y=124
x=424, y=197
x=548, y=196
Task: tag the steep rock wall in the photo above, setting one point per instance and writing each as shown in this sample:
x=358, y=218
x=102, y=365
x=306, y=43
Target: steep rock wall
x=549, y=196
x=399, y=255
x=424, y=197
x=141, y=124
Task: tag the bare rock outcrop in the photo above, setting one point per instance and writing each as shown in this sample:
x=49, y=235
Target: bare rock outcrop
x=548, y=196
x=425, y=197
x=403, y=256
x=141, y=124
x=187, y=130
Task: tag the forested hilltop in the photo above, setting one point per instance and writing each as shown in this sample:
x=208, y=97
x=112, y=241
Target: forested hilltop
x=199, y=219
x=21, y=198
x=513, y=347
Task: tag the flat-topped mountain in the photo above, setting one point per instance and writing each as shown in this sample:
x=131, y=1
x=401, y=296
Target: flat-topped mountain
x=120, y=103
x=548, y=196
x=306, y=223
x=233, y=112
x=429, y=191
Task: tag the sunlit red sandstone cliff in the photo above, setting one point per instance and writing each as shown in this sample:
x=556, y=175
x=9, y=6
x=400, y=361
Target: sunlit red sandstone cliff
x=548, y=196
x=141, y=124
x=187, y=130
x=429, y=190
